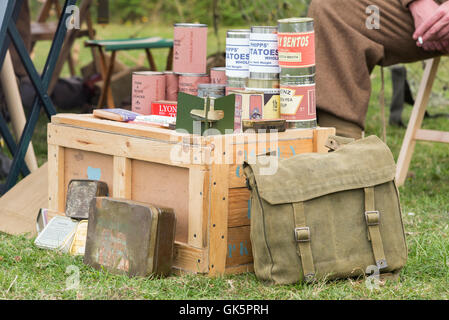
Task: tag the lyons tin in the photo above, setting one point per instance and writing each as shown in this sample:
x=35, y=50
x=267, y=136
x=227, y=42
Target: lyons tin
x=147, y=86
x=171, y=86
x=190, y=48
x=188, y=82
x=218, y=75
x=237, y=53
x=298, y=104
x=263, y=54
x=212, y=90
x=296, y=45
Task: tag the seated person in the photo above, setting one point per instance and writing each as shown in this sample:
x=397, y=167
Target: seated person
x=347, y=51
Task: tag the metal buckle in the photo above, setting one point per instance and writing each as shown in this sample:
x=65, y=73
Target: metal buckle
x=370, y=216
x=302, y=239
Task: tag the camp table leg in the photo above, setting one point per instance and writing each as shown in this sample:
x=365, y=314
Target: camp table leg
x=151, y=60
x=40, y=84
x=169, y=65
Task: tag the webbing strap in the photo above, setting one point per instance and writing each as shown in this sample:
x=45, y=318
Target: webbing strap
x=302, y=237
x=372, y=218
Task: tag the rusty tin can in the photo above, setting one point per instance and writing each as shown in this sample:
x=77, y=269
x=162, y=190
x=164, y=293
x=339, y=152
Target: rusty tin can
x=212, y=90
x=296, y=45
x=147, y=86
x=128, y=237
x=188, y=82
x=190, y=48
x=218, y=75
x=80, y=194
x=171, y=86
x=298, y=104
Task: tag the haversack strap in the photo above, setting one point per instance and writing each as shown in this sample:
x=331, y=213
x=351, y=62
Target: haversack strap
x=302, y=238
x=372, y=219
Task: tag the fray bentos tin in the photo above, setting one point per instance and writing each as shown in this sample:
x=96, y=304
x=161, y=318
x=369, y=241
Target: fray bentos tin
x=171, y=86
x=188, y=82
x=190, y=48
x=298, y=104
x=147, y=86
x=296, y=45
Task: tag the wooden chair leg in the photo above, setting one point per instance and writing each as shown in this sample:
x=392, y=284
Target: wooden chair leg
x=416, y=119
x=106, y=97
x=151, y=60
x=169, y=65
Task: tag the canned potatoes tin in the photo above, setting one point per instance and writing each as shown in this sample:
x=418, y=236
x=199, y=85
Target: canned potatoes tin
x=237, y=53
x=263, y=57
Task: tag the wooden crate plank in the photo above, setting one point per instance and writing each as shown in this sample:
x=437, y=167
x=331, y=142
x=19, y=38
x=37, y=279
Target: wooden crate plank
x=56, y=185
x=320, y=136
x=198, y=207
x=122, y=177
x=218, y=225
x=240, y=269
x=190, y=259
x=239, y=246
x=239, y=206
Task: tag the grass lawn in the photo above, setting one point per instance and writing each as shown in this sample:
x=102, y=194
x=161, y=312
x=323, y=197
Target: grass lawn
x=30, y=273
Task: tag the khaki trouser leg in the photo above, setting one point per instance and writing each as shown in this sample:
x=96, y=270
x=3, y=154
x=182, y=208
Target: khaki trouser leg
x=347, y=52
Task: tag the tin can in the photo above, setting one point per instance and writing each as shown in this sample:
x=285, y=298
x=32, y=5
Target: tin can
x=296, y=45
x=147, y=86
x=298, y=104
x=189, y=48
x=171, y=86
x=235, y=84
x=263, y=57
x=218, y=75
x=271, y=108
x=188, y=82
x=237, y=53
x=212, y=90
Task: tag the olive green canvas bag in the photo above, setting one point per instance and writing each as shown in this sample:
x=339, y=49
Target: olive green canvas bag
x=333, y=215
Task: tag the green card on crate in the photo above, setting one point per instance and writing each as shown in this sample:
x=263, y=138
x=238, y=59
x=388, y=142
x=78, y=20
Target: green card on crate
x=194, y=113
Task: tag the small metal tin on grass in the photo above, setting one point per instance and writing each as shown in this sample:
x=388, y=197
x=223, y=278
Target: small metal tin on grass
x=80, y=194
x=190, y=48
x=298, y=104
x=147, y=86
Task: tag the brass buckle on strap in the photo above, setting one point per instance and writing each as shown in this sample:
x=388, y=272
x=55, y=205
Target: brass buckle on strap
x=372, y=218
x=302, y=234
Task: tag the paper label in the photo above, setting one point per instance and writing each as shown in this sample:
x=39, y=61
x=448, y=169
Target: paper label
x=164, y=109
x=298, y=102
x=237, y=57
x=263, y=57
x=296, y=50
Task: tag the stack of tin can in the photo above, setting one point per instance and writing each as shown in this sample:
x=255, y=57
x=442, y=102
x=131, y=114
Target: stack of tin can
x=296, y=45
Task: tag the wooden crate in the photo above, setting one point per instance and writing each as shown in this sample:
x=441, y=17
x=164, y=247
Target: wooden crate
x=201, y=178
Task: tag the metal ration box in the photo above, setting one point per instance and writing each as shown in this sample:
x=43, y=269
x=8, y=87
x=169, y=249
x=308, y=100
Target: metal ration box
x=128, y=237
x=80, y=194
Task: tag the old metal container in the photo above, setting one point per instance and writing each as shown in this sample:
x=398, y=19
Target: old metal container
x=147, y=86
x=211, y=90
x=298, y=103
x=190, y=48
x=80, y=194
x=296, y=45
x=128, y=237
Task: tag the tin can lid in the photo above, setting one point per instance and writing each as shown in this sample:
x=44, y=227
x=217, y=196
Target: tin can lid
x=264, y=29
x=148, y=73
x=192, y=74
x=219, y=68
x=211, y=86
x=191, y=25
x=295, y=20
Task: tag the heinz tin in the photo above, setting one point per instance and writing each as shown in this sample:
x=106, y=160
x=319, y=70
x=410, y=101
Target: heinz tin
x=263, y=54
x=188, y=82
x=190, y=48
x=296, y=43
x=147, y=86
x=298, y=104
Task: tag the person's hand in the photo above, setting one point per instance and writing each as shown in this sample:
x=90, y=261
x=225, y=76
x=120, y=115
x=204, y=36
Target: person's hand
x=432, y=28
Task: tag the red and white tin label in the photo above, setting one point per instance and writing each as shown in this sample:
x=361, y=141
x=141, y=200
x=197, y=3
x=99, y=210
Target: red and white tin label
x=164, y=108
x=296, y=50
x=298, y=102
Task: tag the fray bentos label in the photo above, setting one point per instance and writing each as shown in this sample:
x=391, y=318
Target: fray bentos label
x=296, y=50
x=164, y=108
x=298, y=102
